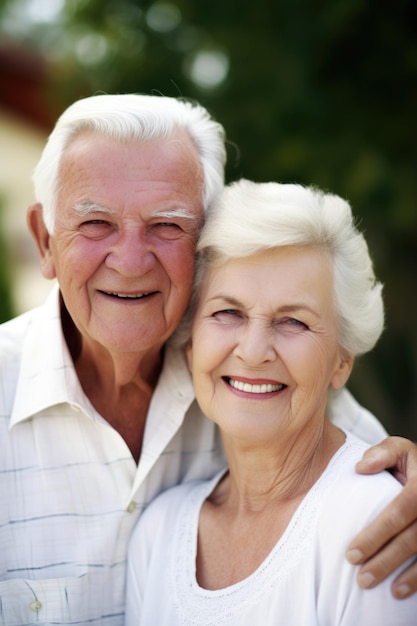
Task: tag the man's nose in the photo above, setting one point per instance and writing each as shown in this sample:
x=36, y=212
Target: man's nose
x=131, y=254
x=255, y=344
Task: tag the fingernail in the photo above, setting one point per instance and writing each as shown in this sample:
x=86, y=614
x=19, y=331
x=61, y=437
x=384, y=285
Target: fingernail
x=402, y=590
x=354, y=556
x=366, y=580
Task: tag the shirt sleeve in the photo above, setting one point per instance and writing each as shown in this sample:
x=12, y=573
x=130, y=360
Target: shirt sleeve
x=346, y=413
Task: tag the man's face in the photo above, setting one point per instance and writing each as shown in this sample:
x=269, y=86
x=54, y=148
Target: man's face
x=127, y=221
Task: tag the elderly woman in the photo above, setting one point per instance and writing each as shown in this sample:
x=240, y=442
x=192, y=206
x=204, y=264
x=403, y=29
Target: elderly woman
x=286, y=298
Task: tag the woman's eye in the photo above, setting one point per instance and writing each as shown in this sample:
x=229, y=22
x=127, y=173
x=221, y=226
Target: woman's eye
x=226, y=313
x=295, y=323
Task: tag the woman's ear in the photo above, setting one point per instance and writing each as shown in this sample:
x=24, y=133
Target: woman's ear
x=41, y=237
x=342, y=371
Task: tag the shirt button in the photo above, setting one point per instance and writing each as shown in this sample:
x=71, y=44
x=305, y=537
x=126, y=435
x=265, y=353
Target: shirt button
x=131, y=507
x=35, y=605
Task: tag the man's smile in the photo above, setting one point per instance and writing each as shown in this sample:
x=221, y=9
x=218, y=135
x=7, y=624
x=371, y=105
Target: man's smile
x=127, y=296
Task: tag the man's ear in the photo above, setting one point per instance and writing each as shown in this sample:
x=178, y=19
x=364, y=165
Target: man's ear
x=189, y=354
x=41, y=237
x=342, y=371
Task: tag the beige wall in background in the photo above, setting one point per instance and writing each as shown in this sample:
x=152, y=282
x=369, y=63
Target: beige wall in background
x=20, y=148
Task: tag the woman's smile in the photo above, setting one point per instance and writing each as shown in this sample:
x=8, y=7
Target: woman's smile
x=257, y=387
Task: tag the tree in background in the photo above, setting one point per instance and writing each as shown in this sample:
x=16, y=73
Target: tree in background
x=317, y=92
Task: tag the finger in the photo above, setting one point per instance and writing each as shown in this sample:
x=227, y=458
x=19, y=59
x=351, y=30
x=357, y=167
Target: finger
x=394, y=554
x=406, y=583
x=392, y=452
x=399, y=515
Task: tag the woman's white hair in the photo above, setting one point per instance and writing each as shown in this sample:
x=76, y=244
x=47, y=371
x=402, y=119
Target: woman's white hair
x=131, y=117
x=250, y=218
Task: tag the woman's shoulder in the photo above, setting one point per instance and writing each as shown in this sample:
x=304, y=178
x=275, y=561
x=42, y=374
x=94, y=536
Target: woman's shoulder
x=354, y=499
x=168, y=502
x=350, y=503
x=164, y=510
x=155, y=524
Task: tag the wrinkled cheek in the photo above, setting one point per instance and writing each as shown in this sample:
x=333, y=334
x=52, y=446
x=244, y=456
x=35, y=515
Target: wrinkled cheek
x=184, y=280
x=182, y=295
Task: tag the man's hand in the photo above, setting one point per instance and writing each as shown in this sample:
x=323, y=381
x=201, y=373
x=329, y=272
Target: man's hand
x=391, y=538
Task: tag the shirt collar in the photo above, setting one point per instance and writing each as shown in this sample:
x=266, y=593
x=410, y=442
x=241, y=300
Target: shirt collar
x=170, y=402
x=47, y=376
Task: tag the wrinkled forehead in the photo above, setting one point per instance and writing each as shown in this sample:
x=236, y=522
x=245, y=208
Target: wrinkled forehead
x=85, y=139
x=304, y=269
x=176, y=153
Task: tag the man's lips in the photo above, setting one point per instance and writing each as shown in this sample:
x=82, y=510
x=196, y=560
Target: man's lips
x=128, y=296
x=261, y=387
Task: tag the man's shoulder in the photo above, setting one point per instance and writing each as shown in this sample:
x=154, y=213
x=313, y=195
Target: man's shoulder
x=12, y=341
x=36, y=322
x=13, y=333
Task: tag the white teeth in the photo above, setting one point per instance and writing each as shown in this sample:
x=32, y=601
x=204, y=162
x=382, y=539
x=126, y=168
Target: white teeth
x=127, y=296
x=264, y=388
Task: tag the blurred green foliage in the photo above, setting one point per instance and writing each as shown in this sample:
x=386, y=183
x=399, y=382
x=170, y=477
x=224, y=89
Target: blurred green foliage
x=321, y=92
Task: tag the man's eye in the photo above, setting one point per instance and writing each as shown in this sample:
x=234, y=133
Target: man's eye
x=168, y=230
x=94, y=228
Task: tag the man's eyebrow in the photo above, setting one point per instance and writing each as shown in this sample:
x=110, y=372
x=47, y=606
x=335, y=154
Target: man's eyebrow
x=177, y=213
x=85, y=208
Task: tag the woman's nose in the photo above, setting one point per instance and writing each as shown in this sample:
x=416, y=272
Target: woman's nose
x=255, y=344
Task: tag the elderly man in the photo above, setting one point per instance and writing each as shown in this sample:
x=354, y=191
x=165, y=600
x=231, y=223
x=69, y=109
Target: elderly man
x=97, y=410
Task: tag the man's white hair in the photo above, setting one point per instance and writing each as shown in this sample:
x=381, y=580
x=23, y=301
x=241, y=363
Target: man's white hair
x=131, y=117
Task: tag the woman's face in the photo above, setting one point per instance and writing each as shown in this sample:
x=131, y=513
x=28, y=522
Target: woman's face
x=264, y=348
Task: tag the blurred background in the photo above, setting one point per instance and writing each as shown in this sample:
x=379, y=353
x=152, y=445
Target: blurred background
x=320, y=92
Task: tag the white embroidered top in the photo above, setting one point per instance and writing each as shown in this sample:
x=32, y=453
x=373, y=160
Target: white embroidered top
x=305, y=580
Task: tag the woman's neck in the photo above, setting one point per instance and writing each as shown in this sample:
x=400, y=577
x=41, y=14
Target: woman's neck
x=280, y=472
x=250, y=509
